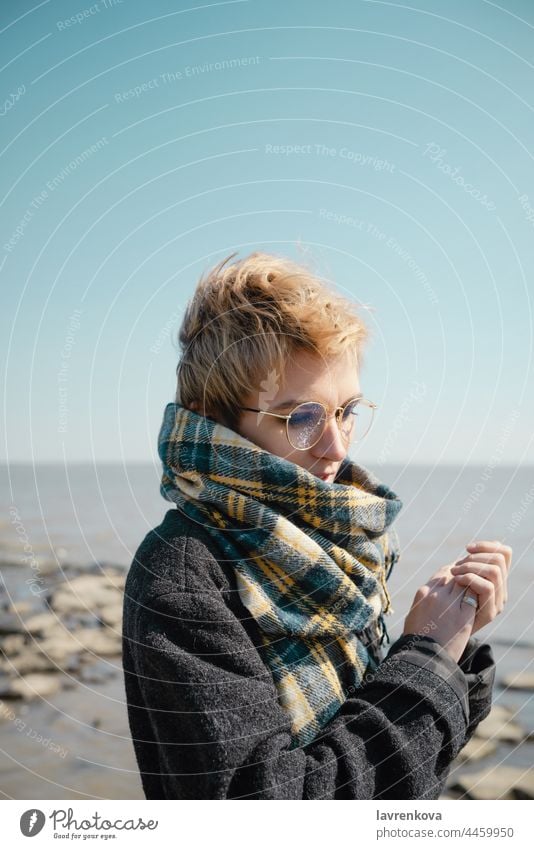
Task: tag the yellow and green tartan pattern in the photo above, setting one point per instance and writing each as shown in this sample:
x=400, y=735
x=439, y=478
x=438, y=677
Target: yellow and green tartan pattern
x=311, y=558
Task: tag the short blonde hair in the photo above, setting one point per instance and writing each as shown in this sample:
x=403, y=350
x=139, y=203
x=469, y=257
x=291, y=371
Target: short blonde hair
x=247, y=319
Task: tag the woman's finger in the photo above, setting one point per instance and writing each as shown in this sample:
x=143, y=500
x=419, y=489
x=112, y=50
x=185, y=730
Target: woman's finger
x=491, y=557
x=488, y=546
x=485, y=590
x=495, y=557
x=487, y=571
x=491, y=571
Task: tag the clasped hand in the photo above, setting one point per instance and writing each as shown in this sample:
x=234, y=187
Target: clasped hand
x=437, y=609
x=485, y=572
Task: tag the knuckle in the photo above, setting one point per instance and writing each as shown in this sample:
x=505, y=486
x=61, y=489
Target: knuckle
x=493, y=558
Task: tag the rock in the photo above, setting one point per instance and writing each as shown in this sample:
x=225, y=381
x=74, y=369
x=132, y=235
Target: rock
x=115, y=579
x=10, y=623
x=85, y=593
x=30, y=687
x=501, y=782
x=32, y=660
x=42, y=623
x=500, y=726
x=112, y=614
x=13, y=644
x=6, y=712
x=47, y=567
x=518, y=681
x=21, y=607
x=101, y=642
x=524, y=787
x=476, y=749
x=59, y=647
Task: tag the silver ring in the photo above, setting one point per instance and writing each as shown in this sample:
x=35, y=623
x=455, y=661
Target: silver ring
x=470, y=599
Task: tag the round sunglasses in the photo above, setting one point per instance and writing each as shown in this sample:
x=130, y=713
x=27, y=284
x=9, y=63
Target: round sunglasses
x=306, y=422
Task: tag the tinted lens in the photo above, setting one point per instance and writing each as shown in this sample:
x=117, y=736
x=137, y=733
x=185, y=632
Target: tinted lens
x=356, y=421
x=306, y=425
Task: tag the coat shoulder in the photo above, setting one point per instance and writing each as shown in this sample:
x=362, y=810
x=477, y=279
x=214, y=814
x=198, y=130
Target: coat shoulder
x=176, y=556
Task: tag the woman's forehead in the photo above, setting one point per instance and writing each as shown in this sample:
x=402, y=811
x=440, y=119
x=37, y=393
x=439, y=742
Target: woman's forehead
x=322, y=373
x=307, y=378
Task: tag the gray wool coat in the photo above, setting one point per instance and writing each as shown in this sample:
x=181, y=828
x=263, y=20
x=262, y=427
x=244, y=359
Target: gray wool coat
x=203, y=709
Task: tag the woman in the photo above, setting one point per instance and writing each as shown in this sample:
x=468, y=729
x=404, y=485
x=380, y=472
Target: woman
x=254, y=614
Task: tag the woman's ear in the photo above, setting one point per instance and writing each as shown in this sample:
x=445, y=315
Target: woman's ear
x=195, y=406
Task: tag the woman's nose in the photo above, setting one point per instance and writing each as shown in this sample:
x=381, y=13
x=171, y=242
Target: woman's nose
x=331, y=443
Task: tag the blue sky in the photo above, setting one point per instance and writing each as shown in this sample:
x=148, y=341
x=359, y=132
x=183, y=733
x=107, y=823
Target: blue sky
x=388, y=145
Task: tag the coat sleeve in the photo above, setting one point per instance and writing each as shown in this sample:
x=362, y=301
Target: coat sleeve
x=220, y=732
x=478, y=665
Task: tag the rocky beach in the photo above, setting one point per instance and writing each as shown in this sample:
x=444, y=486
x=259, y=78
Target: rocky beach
x=63, y=718
x=63, y=721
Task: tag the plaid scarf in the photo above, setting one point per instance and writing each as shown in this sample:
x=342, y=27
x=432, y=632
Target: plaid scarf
x=311, y=558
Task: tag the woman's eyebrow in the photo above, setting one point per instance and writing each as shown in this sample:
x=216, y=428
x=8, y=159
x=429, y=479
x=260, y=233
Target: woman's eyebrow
x=294, y=401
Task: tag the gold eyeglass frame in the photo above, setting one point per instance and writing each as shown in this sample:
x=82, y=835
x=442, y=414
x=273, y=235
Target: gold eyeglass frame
x=370, y=404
